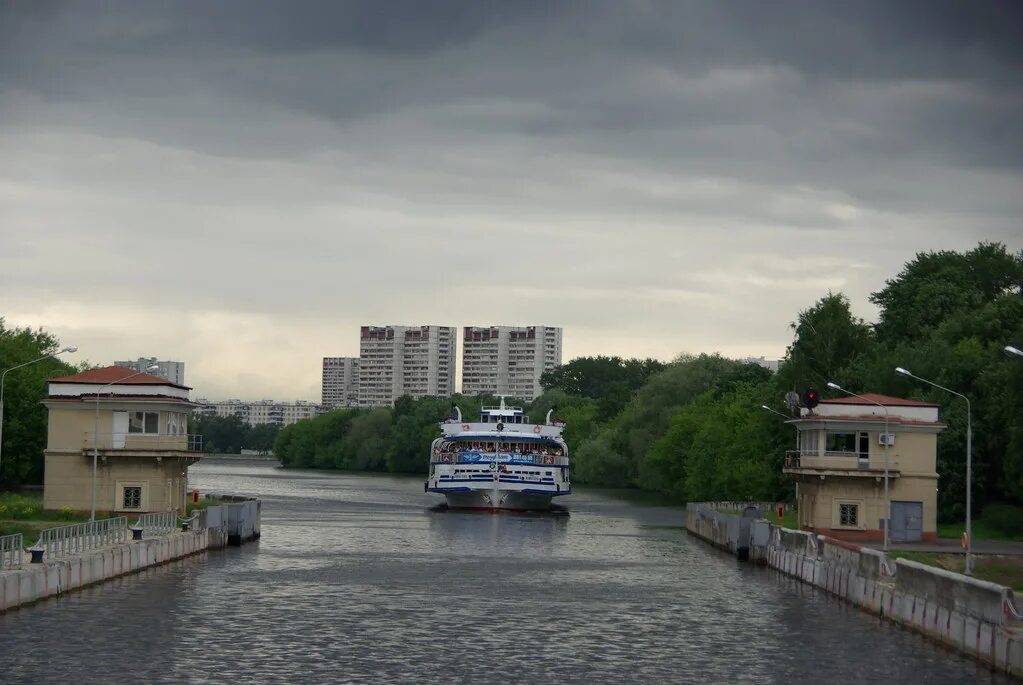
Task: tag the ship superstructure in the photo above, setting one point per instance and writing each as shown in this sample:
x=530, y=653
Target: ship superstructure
x=501, y=462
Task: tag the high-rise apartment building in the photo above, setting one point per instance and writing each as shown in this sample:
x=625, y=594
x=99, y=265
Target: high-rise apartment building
x=405, y=360
x=171, y=371
x=340, y=382
x=508, y=360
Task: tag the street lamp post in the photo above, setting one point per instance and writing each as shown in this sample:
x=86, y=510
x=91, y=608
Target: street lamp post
x=969, y=464
x=95, y=431
x=887, y=499
x=71, y=349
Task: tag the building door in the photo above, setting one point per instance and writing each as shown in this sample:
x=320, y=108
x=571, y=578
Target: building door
x=907, y=521
x=120, y=429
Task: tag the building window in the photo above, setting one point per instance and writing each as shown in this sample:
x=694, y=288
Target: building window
x=849, y=514
x=131, y=497
x=841, y=443
x=144, y=422
x=808, y=442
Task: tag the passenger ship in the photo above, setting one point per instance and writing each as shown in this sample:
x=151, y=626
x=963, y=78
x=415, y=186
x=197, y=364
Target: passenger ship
x=502, y=462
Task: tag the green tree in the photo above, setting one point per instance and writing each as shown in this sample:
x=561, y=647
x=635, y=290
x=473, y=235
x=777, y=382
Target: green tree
x=610, y=380
x=936, y=285
x=24, y=416
x=827, y=338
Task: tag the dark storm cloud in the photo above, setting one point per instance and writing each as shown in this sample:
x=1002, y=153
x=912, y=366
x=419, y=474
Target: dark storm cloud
x=704, y=169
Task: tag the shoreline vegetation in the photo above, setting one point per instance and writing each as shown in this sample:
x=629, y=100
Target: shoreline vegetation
x=693, y=429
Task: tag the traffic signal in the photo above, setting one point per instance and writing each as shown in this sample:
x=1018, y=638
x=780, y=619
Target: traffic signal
x=810, y=398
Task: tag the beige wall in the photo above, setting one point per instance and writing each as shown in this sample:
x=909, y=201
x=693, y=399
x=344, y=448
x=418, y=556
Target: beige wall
x=70, y=426
x=819, y=500
x=68, y=482
x=913, y=453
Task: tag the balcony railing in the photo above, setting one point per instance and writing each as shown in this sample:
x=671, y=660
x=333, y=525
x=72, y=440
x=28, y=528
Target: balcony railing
x=149, y=442
x=795, y=459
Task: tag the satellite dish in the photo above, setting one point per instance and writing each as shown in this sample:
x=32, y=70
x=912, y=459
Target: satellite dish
x=792, y=400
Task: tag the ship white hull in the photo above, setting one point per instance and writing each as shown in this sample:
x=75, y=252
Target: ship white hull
x=497, y=500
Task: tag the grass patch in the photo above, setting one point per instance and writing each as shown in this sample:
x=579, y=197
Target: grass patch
x=1004, y=570
x=789, y=520
x=23, y=513
x=203, y=503
x=981, y=531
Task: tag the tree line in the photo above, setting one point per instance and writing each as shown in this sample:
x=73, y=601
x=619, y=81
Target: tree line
x=693, y=429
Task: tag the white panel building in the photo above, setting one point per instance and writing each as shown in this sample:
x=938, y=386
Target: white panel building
x=405, y=360
x=508, y=360
x=171, y=371
x=261, y=411
x=340, y=382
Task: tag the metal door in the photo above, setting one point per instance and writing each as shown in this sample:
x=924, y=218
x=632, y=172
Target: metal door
x=907, y=521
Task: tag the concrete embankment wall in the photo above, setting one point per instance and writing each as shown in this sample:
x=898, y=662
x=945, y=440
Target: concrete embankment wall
x=974, y=617
x=53, y=578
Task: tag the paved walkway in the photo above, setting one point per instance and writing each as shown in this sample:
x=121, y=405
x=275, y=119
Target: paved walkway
x=951, y=546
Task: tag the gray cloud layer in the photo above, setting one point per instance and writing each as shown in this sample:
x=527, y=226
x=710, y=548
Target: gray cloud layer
x=241, y=184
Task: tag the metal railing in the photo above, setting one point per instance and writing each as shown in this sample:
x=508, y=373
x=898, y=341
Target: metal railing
x=81, y=537
x=160, y=523
x=164, y=442
x=12, y=551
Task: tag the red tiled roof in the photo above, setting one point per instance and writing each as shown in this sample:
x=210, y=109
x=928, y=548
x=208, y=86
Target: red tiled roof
x=118, y=397
x=881, y=399
x=116, y=374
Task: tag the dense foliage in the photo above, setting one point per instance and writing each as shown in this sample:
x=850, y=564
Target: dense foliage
x=231, y=435
x=24, y=417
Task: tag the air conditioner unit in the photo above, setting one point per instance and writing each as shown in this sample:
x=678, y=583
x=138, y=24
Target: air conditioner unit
x=886, y=439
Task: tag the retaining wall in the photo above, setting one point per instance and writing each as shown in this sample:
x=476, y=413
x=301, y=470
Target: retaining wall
x=53, y=578
x=974, y=617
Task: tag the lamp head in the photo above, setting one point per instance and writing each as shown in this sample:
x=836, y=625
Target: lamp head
x=154, y=367
x=834, y=386
x=904, y=372
x=1014, y=350
x=70, y=349
x=764, y=406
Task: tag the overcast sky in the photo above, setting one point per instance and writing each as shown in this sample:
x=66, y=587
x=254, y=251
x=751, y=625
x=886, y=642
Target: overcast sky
x=241, y=185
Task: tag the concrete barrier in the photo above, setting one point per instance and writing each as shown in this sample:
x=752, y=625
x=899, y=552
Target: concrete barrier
x=53, y=578
x=974, y=617
x=234, y=522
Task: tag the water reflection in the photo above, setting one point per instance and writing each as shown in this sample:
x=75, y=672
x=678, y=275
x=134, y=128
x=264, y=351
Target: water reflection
x=357, y=580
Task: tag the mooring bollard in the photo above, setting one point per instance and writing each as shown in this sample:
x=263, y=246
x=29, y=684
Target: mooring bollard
x=37, y=554
x=136, y=533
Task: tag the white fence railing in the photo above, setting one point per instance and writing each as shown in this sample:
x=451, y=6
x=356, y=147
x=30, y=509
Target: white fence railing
x=159, y=523
x=12, y=551
x=81, y=537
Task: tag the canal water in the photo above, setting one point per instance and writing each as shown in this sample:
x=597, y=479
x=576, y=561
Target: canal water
x=357, y=580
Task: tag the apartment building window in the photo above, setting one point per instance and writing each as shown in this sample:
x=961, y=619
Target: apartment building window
x=147, y=422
